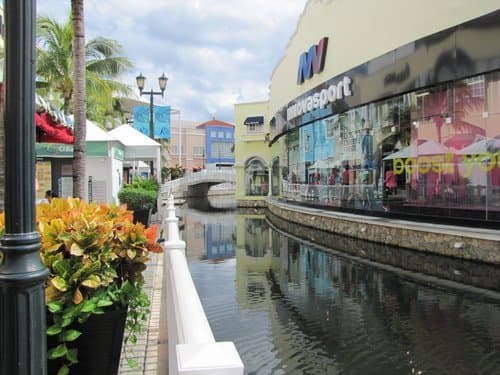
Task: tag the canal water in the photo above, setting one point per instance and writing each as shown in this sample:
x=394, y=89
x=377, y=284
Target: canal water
x=293, y=308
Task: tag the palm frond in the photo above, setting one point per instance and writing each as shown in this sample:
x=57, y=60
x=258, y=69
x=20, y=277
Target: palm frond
x=54, y=67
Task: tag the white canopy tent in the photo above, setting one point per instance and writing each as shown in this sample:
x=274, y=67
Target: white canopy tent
x=319, y=164
x=97, y=134
x=104, y=165
x=426, y=148
x=482, y=146
x=138, y=147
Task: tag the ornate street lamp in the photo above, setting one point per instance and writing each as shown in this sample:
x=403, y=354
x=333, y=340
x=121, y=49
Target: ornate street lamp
x=22, y=274
x=162, y=81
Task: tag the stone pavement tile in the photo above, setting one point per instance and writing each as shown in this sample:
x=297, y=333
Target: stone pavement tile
x=146, y=351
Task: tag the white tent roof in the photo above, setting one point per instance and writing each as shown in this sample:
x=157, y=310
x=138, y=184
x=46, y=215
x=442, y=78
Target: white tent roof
x=480, y=147
x=137, y=145
x=95, y=133
x=428, y=147
x=132, y=137
x=319, y=164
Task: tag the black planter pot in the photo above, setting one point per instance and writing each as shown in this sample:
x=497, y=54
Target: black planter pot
x=142, y=216
x=99, y=346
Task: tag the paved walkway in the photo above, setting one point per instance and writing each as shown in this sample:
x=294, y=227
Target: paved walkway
x=150, y=351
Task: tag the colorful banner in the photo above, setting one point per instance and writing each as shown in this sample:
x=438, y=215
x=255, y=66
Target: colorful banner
x=161, y=121
x=141, y=119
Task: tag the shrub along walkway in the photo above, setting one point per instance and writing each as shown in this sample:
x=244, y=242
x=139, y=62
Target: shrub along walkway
x=150, y=350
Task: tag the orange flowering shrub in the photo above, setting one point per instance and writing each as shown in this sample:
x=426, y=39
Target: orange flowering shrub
x=96, y=256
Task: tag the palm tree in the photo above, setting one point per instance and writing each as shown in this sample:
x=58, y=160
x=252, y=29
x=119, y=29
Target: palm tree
x=80, y=106
x=82, y=75
x=55, y=66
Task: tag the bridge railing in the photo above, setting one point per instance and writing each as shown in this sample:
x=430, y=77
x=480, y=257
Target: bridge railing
x=192, y=348
x=198, y=177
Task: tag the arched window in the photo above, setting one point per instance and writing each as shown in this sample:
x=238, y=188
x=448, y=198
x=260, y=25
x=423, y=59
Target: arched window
x=256, y=178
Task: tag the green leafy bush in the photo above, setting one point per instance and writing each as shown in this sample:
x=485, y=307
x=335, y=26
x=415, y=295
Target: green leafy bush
x=144, y=183
x=137, y=199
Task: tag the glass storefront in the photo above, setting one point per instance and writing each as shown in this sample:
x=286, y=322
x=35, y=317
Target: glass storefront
x=432, y=152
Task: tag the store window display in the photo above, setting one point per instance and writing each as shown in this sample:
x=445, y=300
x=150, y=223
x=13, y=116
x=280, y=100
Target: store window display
x=435, y=150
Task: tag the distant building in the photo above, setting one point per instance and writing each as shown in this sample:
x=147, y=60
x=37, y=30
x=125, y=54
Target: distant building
x=219, y=144
x=252, y=154
x=186, y=147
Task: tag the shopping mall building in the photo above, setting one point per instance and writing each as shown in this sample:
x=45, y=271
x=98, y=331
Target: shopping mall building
x=390, y=108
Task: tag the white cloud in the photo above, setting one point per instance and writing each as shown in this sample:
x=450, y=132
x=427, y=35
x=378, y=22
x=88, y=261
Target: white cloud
x=215, y=53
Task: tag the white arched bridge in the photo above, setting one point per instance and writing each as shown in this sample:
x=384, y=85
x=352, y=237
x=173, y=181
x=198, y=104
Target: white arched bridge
x=197, y=183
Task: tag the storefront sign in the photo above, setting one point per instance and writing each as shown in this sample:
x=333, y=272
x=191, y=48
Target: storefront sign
x=118, y=153
x=321, y=99
x=447, y=163
x=312, y=62
x=96, y=148
x=53, y=150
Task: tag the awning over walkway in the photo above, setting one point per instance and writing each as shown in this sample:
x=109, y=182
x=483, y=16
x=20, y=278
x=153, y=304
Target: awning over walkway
x=49, y=130
x=254, y=120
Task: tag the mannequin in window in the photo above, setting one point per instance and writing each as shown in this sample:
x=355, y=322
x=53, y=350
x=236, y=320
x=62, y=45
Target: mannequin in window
x=367, y=147
x=390, y=181
x=345, y=183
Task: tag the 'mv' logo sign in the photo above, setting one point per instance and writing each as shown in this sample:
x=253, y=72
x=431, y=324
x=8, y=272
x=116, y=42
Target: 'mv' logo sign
x=312, y=61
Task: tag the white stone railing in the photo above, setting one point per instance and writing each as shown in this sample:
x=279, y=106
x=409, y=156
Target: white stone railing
x=192, y=348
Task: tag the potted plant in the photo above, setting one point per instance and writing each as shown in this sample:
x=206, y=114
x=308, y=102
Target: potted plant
x=96, y=256
x=141, y=197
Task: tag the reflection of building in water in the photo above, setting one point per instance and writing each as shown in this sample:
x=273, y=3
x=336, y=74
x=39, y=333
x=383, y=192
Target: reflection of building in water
x=256, y=237
x=193, y=234
x=207, y=236
x=219, y=240
x=310, y=299
x=257, y=267
x=335, y=297
x=253, y=251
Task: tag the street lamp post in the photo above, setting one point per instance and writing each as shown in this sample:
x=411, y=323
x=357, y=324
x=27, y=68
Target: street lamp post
x=162, y=81
x=22, y=274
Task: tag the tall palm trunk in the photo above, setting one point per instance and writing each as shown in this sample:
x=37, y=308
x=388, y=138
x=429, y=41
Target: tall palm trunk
x=79, y=101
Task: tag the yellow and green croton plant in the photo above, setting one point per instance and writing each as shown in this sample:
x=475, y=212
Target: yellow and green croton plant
x=96, y=256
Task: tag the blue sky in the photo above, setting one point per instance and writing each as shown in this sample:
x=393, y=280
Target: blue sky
x=215, y=52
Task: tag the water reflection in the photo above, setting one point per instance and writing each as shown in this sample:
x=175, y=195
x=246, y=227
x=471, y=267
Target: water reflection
x=256, y=239
x=291, y=308
x=212, y=203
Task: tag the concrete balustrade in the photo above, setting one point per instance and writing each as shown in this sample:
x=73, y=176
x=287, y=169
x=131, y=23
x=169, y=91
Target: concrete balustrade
x=209, y=177
x=191, y=345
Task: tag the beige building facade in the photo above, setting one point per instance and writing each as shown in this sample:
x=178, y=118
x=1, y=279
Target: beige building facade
x=390, y=108
x=186, y=147
x=252, y=154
